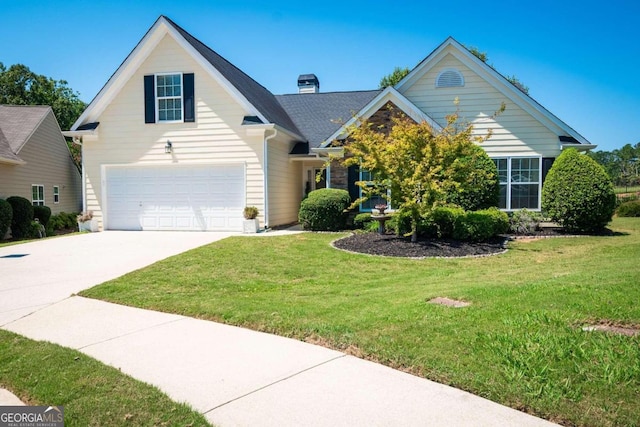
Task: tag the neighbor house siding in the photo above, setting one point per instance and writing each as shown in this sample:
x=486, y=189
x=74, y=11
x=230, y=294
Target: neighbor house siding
x=216, y=136
x=48, y=163
x=285, y=181
x=515, y=131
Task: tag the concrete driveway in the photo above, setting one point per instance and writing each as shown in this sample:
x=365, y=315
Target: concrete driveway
x=39, y=273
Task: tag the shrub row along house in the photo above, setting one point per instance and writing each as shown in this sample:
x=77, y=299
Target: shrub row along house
x=35, y=162
x=181, y=139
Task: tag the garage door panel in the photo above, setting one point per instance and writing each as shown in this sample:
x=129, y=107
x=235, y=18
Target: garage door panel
x=202, y=197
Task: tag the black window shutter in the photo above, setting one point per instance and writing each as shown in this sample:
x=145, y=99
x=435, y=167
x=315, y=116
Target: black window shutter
x=547, y=162
x=149, y=100
x=188, y=98
x=353, y=175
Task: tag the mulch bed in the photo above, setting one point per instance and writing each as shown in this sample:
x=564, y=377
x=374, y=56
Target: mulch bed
x=399, y=246
x=395, y=246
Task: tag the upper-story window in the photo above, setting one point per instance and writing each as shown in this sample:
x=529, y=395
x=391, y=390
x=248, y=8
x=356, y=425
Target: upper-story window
x=37, y=195
x=450, y=78
x=169, y=98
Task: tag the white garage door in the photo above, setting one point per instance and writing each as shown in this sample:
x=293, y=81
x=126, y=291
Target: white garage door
x=196, y=197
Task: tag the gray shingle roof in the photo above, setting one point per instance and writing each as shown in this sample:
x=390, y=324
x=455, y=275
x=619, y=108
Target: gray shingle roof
x=255, y=93
x=17, y=123
x=319, y=115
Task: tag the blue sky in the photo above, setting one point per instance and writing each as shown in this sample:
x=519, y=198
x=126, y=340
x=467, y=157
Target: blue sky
x=581, y=60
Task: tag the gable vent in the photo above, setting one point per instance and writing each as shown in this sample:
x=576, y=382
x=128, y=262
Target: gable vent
x=449, y=78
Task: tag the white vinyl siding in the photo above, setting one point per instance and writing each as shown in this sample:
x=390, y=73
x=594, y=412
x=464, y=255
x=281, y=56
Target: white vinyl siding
x=285, y=181
x=515, y=131
x=217, y=136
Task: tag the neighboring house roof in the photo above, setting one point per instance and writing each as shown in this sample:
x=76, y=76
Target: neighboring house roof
x=17, y=124
x=247, y=91
x=319, y=115
x=500, y=82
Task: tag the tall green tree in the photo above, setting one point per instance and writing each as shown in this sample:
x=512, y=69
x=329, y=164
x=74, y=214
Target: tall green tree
x=415, y=163
x=393, y=78
x=21, y=86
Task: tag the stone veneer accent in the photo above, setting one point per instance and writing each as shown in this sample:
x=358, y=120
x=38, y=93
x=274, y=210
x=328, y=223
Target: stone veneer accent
x=381, y=120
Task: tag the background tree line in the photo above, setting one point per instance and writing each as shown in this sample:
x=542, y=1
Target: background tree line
x=622, y=164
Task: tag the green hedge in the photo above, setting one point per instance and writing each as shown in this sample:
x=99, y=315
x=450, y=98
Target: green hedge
x=22, y=216
x=324, y=210
x=43, y=213
x=6, y=215
x=482, y=189
x=629, y=209
x=578, y=193
x=480, y=225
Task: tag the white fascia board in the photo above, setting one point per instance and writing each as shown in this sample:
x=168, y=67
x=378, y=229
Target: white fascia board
x=388, y=94
x=498, y=81
x=335, y=151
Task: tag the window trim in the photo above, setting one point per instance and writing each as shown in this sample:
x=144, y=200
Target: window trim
x=509, y=160
x=362, y=209
x=56, y=194
x=37, y=202
x=159, y=98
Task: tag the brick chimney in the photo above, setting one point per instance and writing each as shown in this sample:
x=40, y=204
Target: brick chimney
x=308, y=83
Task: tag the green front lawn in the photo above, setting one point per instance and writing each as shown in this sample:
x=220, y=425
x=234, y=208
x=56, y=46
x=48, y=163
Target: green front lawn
x=92, y=394
x=520, y=343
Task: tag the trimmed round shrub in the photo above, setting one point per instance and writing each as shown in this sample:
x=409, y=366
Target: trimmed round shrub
x=6, y=215
x=324, y=210
x=578, y=193
x=362, y=220
x=22, y=216
x=524, y=221
x=480, y=225
x=443, y=219
x=43, y=213
x=481, y=189
x=629, y=209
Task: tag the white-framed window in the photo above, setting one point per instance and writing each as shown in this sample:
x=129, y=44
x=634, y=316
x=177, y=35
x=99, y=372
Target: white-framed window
x=56, y=194
x=169, y=97
x=37, y=195
x=370, y=203
x=520, y=182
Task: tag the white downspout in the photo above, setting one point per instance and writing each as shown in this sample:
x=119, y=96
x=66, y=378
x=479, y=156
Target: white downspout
x=266, y=177
x=78, y=141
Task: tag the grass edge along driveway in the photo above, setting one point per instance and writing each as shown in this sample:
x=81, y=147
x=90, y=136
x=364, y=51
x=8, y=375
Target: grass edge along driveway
x=520, y=343
x=93, y=394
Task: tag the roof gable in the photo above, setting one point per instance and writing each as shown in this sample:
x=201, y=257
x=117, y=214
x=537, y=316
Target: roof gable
x=17, y=124
x=389, y=94
x=253, y=97
x=451, y=47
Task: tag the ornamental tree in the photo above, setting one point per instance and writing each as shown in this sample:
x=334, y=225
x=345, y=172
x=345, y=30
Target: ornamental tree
x=414, y=166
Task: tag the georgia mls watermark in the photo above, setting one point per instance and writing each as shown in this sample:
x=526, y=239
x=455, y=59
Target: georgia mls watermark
x=31, y=416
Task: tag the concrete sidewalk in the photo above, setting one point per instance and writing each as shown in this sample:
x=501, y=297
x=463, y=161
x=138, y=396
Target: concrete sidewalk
x=238, y=377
